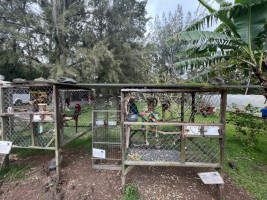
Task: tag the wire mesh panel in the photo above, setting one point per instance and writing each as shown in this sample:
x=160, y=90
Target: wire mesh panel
x=106, y=141
x=202, y=150
x=153, y=143
x=75, y=112
x=176, y=107
x=27, y=113
x=175, y=126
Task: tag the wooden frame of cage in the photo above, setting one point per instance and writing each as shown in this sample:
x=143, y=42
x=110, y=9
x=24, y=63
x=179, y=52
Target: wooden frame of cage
x=56, y=120
x=128, y=165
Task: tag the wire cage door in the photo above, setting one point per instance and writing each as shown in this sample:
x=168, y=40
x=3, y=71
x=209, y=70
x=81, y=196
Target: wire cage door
x=106, y=136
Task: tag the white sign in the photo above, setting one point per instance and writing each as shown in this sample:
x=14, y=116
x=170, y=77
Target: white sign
x=211, y=130
x=99, y=153
x=5, y=147
x=195, y=130
x=211, y=178
x=112, y=123
x=99, y=123
x=192, y=130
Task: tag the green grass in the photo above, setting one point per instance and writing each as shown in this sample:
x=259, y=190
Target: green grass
x=84, y=142
x=13, y=173
x=252, y=164
x=24, y=153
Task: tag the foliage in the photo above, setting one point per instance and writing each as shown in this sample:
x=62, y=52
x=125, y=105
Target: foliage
x=131, y=193
x=90, y=41
x=239, y=42
x=251, y=174
x=247, y=126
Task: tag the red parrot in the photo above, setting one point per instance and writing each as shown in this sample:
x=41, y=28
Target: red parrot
x=76, y=112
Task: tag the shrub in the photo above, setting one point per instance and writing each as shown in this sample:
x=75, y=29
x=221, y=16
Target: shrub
x=247, y=125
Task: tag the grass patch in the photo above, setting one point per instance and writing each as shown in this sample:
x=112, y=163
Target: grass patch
x=252, y=163
x=131, y=193
x=84, y=142
x=13, y=173
x=23, y=153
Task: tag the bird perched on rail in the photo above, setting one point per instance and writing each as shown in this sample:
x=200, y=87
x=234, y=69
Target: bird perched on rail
x=216, y=81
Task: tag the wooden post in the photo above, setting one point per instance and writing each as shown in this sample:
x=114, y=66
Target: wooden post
x=223, y=122
x=182, y=108
x=183, y=147
x=57, y=132
x=222, y=141
x=33, y=129
x=193, y=107
x=124, y=103
x=123, y=173
x=1, y=112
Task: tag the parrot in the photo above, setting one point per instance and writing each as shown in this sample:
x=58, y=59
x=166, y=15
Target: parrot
x=76, y=112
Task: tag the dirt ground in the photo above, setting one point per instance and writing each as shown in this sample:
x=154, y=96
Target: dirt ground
x=81, y=182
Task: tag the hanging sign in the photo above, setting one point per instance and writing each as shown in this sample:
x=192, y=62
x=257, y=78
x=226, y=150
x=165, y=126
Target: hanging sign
x=5, y=147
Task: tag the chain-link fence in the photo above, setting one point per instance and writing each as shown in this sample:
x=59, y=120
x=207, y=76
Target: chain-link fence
x=75, y=106
x=28, y=114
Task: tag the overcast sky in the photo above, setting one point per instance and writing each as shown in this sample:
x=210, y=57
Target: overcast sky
x=155, y=7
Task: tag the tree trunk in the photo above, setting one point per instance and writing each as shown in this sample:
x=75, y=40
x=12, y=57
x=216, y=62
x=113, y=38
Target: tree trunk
x=262, y=78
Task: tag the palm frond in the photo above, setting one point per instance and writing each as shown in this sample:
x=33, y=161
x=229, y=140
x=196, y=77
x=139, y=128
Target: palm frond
x=206, y=5
x=211, y=48
x=202, y=61
x=190, y=36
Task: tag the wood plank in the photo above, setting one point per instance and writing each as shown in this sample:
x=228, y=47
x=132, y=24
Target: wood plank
x=107, y=167
x=154, y=90
x=128, y=169
x=83, y=133
x=186, y=164
x=51, y=141
x=34, y=147
x=172, y=124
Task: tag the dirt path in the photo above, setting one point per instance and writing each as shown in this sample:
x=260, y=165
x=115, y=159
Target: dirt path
x=80, y=182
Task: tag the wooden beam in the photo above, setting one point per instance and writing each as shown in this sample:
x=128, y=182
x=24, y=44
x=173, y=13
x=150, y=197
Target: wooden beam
x=187, y=164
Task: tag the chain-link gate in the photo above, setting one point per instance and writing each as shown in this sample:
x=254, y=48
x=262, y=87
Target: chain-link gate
x=106, y=140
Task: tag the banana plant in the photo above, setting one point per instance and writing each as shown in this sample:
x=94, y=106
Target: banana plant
x=240, y=40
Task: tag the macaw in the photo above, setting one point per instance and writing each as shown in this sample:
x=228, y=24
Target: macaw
x=76, y=112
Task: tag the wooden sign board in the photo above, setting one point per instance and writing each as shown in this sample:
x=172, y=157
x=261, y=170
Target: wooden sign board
x=211, y=178
x=5, y=147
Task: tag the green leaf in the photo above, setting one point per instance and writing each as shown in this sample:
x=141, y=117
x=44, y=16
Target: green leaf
x=250, y=22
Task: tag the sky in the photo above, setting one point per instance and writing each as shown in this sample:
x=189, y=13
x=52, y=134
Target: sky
x=155, y=7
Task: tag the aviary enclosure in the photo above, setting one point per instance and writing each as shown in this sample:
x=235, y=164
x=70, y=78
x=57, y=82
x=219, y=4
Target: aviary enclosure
x=183, y=126
x=44, y=115
x=131, y=124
